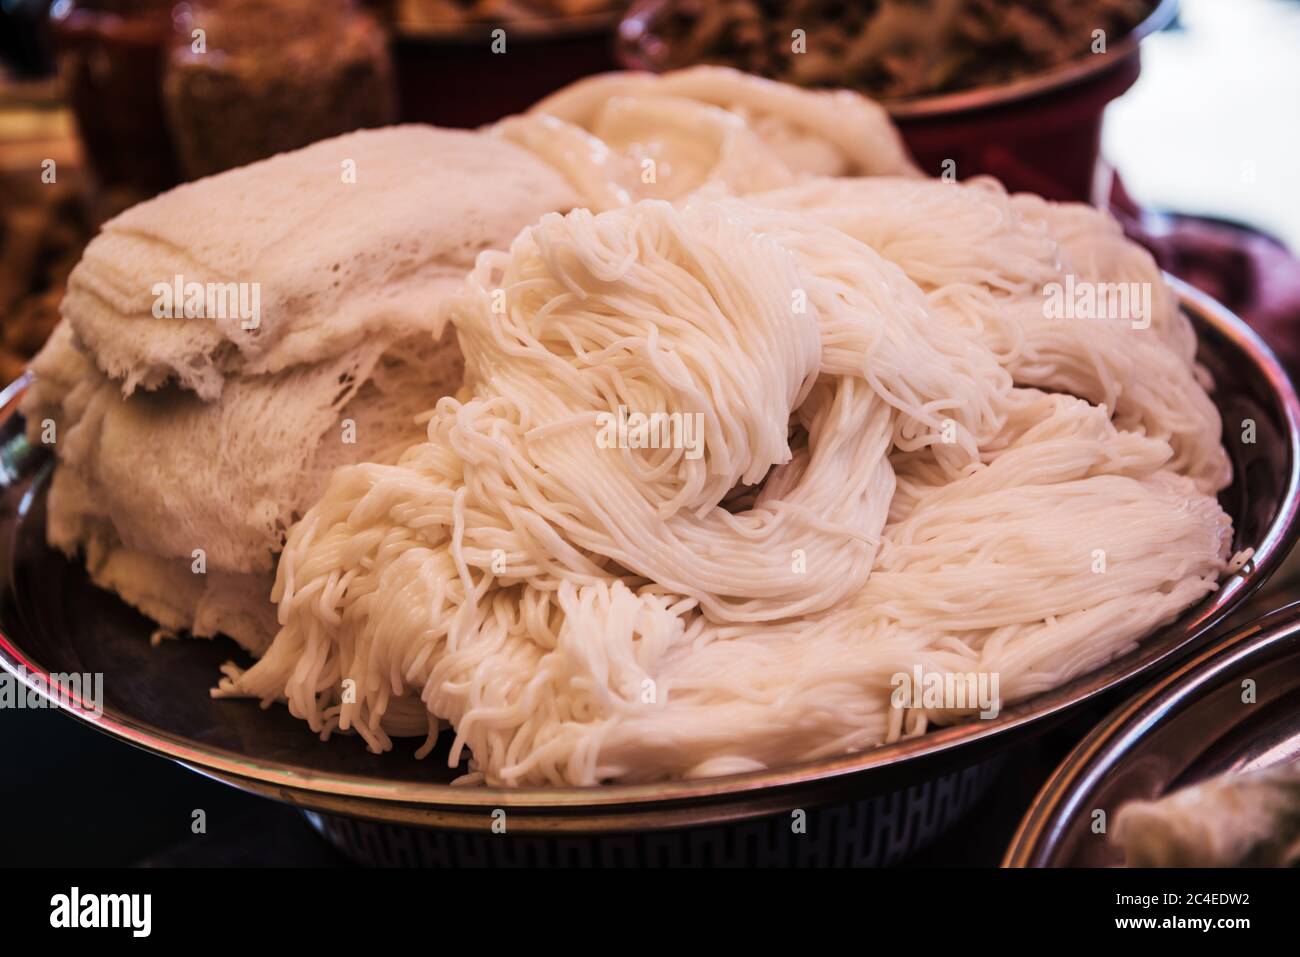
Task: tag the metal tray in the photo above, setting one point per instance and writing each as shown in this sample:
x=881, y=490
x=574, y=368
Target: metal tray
x=53, y=620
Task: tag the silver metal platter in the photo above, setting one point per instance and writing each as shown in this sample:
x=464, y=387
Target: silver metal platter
x=52, y=620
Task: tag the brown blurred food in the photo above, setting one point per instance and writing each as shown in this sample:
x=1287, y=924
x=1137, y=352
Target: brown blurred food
x=41, y=238
x=43, y=220
x=246, y=79
x=889, y=49
x=451, y=13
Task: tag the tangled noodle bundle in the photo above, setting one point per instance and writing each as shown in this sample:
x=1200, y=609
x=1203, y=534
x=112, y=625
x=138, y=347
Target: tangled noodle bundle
x=901, y=463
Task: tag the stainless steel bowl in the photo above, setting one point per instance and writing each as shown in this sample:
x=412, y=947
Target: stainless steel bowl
x=873, y=806
x=1190, y=726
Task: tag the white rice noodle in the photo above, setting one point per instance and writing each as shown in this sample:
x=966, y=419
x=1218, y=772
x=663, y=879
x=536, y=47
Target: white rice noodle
x=904, y=464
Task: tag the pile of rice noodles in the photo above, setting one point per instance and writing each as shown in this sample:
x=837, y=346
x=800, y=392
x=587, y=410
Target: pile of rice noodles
x=903, y=464
x=623, y=137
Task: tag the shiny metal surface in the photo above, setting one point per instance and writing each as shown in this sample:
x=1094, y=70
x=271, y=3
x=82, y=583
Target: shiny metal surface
x=156, y=698
x=1191, y=726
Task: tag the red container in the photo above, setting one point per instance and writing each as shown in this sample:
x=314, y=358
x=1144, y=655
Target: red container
x=1047, y=143
x=1041, y=134
x=110, y=55
x=452, y=77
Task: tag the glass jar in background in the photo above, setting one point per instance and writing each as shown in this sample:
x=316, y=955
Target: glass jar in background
x=246, y=79
x=110, y=56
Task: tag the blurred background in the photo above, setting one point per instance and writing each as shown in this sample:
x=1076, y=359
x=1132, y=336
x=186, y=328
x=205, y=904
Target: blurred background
x=1182, y=119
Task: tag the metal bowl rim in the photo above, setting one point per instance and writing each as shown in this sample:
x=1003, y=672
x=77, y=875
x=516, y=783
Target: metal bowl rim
x=291, y=782
x=1037, y=839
